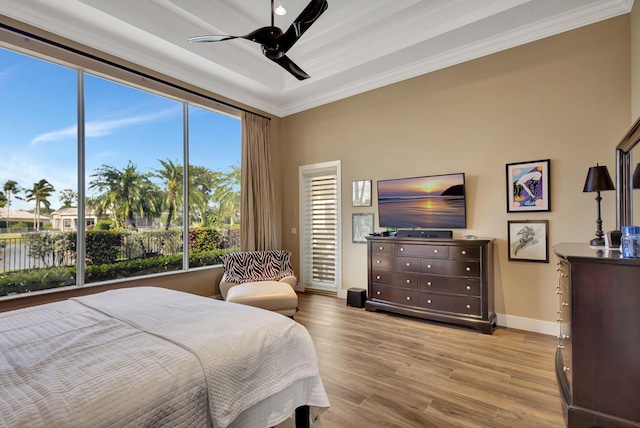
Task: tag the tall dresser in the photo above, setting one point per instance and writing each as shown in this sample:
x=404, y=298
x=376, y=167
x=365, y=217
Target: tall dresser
x=448, y=280
x=598, y=355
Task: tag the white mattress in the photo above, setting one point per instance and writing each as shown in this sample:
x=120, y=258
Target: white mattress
x=153, y=357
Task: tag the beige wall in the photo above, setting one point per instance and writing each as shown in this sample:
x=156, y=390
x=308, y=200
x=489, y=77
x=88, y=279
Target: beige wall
x=566, y=98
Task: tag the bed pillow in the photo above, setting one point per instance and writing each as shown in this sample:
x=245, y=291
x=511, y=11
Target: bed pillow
x=249, y=266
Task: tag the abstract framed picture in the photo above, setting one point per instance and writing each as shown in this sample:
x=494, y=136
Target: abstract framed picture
x=361, y=193
x=528, y=240
x=528, y=186
x=362, y=226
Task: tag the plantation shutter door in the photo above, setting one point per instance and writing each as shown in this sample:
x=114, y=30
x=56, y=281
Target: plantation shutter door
x=321, y=231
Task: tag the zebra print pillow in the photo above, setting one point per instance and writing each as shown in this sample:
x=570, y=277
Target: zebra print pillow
x=251, y=266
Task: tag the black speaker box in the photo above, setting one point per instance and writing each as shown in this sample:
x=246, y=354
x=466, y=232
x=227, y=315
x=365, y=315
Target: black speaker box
x=414, y=233
x=356, y=297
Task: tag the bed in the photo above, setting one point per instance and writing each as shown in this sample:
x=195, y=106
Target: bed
x=152, y=357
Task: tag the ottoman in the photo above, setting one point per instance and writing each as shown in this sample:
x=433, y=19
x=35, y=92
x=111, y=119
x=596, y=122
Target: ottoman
x=271, y=295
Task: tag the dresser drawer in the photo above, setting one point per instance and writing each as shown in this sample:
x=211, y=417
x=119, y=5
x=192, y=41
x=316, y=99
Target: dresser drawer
x=395, y=279
x=432, y=251
x=448, y=303
x=564, y=361
x=385, y=262
x=381, y=248
x=464, y=252
x=470, y=268
x=444, y=284
x=396, y=295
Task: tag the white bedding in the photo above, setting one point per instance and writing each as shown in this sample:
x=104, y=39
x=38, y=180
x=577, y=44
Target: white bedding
x=153, y=357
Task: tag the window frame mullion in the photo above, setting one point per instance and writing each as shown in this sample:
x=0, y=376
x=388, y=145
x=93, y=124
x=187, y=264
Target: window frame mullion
x=81, y=227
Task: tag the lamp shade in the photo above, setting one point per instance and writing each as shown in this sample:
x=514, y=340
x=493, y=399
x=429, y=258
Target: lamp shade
x=636, y=177
x=598, y=178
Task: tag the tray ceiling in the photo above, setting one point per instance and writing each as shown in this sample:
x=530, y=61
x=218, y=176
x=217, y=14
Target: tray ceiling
x=355, y=46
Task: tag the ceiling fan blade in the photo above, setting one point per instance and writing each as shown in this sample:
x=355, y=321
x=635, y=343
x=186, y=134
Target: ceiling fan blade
x=212, y=38
x=291, y=67
x=302, y=23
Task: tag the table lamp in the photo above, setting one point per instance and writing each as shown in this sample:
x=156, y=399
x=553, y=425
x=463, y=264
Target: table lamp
x=598, y=179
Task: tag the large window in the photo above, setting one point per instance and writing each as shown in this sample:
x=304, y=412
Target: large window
x=121, y=173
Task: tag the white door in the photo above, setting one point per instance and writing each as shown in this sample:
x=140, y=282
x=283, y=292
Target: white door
x=320, y=226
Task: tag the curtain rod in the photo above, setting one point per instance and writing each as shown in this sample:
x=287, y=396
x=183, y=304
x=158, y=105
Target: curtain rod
x=122, y=67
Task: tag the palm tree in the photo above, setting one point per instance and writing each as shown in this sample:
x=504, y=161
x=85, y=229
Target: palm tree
x=124, y=193
x=39, y=193
x=67, y=197
x=10, y=187
x=202, y=181
x=202, y=184
x=171, y=174
x=227, y=193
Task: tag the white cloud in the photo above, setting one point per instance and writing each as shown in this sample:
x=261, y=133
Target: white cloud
x=100, y=128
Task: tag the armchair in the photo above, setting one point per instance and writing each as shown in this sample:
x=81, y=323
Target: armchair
x=263, y=279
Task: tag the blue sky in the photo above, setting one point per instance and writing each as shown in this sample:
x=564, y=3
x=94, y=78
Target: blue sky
x=38, y=117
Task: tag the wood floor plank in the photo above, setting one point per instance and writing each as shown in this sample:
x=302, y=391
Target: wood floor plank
x=391, y=371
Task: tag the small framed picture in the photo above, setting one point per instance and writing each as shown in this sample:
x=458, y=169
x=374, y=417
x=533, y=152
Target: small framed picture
x=361, y=227
x=528, y=240
x=361, y=193
x=528, y=186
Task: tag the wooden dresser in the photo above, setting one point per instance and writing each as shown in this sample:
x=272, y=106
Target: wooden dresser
x=448, y=280
x=598, y=355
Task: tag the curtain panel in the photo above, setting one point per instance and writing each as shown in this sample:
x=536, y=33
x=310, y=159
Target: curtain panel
x=257, y=219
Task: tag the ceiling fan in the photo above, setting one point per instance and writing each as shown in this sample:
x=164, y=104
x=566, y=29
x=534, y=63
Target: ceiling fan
x=275, y=43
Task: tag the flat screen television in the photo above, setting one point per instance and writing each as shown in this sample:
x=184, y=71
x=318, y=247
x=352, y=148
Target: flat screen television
x=435, y=201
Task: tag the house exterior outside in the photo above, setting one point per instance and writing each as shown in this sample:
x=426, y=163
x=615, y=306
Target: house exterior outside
x=19, y=216
x=67, y=219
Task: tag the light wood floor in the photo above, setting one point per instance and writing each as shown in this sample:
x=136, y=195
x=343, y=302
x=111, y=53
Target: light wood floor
x=386, y=370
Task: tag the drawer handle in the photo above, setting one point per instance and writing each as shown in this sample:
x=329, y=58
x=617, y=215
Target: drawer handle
x=381, y=248
x=563, y=275
x=558, y=292
x=408, y=264
x=378, y=293
x=464, y=252
x=468, y=287
x=377, y=276
x=561, y=347
x=468, y=306
x=468, y=269
x=401, y=248
x=429, y=266
x=565, y=369
x=565, y=304
x=429, y=301
x=435, y=251
x=408, y=281
x=408, y=297
x=378, y=261
x=429, y=283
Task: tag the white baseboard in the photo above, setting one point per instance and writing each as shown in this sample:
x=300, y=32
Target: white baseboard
x=528, y=324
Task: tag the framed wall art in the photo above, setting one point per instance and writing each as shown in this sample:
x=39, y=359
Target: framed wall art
x=361, y=193
x=361, y=227
x=528, y=186
x=528, y=240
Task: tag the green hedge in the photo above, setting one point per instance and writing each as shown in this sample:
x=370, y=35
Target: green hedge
x=42, y=279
